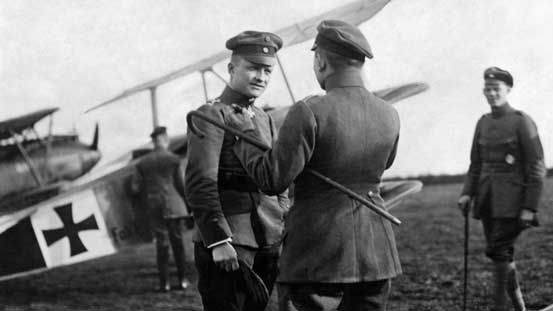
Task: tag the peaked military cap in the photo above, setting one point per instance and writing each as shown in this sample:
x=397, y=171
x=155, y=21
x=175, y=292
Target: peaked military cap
x=158, y=130
x=256, y=46
x=343, y=39
x=497, y=73
x=253, y=285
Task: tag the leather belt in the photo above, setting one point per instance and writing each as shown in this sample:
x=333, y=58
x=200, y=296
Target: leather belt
x=499, y=167
x=237, y=182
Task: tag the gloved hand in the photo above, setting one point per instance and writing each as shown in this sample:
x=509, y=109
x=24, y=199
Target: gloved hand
x=528, y=219
x=239, y=118
x=464, y=204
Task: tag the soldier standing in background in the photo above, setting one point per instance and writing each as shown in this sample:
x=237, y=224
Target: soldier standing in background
x=159, y=182
x=235, y=221
x=505, y=181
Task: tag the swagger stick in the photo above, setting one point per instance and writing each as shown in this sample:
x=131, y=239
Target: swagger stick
x=262, y=146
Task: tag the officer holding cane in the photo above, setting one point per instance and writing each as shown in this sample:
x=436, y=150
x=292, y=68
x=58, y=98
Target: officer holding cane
x=504, y=181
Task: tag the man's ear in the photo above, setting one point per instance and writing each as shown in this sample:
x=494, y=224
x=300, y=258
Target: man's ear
x=320, y=61
x=230, y=68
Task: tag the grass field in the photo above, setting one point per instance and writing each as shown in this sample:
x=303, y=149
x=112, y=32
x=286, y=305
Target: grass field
x=430, y=242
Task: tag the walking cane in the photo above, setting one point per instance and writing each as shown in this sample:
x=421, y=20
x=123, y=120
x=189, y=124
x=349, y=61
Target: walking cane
x=380, y=211
x=465, y=282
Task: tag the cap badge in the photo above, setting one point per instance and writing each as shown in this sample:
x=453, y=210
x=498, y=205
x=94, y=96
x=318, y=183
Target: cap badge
x=267, y=39
x=491, y=75
x=265, y=50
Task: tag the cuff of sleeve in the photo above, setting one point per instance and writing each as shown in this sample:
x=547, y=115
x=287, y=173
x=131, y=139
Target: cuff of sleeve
x=220, y=242
x=213, y=229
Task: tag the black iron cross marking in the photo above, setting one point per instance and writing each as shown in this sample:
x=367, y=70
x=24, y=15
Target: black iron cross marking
x=70, y=229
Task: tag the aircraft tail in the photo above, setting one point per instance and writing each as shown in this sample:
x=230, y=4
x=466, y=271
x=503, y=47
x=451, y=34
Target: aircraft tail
x=94, y=145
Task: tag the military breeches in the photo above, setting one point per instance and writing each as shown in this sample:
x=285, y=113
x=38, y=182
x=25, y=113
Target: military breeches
x=501, y=234
x=222, y=291
x=360, y=296
x=171, y=234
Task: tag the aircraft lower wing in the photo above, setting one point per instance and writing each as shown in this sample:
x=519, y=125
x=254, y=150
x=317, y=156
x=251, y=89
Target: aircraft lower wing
x=92, y=221
x=89, y=221
x=393, y=192
x=391, y=95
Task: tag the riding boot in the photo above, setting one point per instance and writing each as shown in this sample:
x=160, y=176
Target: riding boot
x=513, y=288
x=163, y=268
x=500, y=286
x=183, y=281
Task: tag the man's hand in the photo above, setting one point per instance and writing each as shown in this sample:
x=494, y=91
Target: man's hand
x=225, y=257
x=464, y=204
x=239, y=118
x=527, y=218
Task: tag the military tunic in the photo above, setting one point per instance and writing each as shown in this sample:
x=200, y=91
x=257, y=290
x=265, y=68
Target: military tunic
x=226, y=203
x=160, y=184
x=350, y=136
x=507, y=167
x=505, y=176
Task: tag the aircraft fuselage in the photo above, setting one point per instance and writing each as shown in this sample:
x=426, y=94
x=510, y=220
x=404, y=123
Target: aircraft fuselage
x=66, y=158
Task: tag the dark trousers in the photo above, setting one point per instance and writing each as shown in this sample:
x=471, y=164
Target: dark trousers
x=170, y=234
x=265, y=265
x=222, y=291
x=361, y=296
x=501, y=234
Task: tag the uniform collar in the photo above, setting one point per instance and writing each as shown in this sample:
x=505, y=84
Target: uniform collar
x=231, y=96
x=343, y=79
x=501, y=110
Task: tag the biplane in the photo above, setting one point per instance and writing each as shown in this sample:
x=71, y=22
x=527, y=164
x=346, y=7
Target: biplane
x=37, y=167
x=99, y=216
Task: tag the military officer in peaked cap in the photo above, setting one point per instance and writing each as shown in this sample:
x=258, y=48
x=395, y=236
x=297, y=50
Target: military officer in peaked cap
x=236, y=223
x=337, y=254
x=505, y=181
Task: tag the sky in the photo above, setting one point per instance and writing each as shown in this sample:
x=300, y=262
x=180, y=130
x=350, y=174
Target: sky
x=77, y=54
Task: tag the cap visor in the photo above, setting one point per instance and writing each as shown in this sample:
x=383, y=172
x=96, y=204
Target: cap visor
x=261, y=59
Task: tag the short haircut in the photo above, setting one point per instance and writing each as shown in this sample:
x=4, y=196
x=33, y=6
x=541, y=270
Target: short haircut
x=337, y=61
x=236, y=59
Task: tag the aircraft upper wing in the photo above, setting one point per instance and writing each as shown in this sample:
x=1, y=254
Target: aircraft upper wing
x=19, y=124
x=354, y=13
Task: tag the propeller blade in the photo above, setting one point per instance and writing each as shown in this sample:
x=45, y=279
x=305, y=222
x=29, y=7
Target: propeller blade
x=94, y=145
